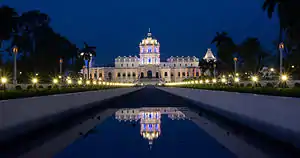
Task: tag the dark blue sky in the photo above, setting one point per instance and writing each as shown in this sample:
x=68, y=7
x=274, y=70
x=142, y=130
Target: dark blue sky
x=183, y=27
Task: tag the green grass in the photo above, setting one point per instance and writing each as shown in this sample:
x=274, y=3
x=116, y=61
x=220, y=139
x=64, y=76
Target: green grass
x=287, y=92
x=14, y=94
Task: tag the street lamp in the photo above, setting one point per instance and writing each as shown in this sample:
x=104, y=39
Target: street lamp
x=60, y=65
x=235, y=66
x=281, y=49
x=15, y=52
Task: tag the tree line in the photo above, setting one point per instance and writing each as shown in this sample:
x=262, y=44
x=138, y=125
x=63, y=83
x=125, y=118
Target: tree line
x=39, y=46
x=250, y=53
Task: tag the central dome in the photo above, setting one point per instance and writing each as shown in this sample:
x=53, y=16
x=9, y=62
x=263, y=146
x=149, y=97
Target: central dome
x=149, y=40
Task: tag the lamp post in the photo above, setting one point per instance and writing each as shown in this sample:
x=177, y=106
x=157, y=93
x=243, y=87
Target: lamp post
x=235, y=60
x=15, y=51
x=281, y=49
x=60, y=66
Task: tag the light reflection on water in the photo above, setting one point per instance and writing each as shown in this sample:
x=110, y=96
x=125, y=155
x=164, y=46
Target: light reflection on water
x=150, y=120
x=124, y=135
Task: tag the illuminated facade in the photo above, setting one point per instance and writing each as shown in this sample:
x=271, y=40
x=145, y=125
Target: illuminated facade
x=148, y=65
x=150, y=119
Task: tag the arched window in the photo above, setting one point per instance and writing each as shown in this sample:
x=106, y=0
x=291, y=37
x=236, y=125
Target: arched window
x=124, y=74
x=133, y=74
x=119, y=74
x=166, y=73
x=149, y=50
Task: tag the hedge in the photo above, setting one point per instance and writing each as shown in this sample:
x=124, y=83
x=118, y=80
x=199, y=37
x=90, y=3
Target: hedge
x=32, y=92
x=287, y=92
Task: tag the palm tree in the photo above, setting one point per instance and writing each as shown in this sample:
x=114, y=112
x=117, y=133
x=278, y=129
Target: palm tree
x=225, y=49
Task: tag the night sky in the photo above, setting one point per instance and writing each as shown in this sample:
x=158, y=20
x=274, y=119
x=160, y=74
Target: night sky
x=183, y=28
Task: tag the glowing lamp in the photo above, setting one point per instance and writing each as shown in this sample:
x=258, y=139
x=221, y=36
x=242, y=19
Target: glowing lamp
x=272, y=69
x=3, y=80
x=34, y=80
x=223, y=80
x=281, y=45
x=79, y=82
x=94, y=82
x=214, y=80
x=284, y=78
x=55, y=81
x=88, y=82
x=236, y=79
x=254, y=78
x=69, y=81
x=206, y=81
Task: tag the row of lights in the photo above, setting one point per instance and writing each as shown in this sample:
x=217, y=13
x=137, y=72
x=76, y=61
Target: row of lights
x=79, y=82
x=207, y=81
x=223, y=80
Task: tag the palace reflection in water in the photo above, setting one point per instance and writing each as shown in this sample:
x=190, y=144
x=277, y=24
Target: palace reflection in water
x=150, y=119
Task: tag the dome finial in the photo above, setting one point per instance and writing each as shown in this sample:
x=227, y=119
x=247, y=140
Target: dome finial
x=149, y=32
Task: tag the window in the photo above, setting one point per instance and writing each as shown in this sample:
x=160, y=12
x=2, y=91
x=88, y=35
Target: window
x=197, y=73
x=174, y=65
x=183, y=74
x=133, y=74
x=95, y=75
x=127, y=65
x=178, y=74
x=166, y=74
x=185, y=64
x=132, y=65
x=172, y=74
x=149, y=50
x=164, y=65
x=191, y=64
x=180, y=65
x=121, y=65
x=128, y=74
x=100, y=74
x=119, y=74
x=187, y=74
x=124, y=74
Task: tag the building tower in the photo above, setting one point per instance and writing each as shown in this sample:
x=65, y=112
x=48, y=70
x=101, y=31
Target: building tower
x=149, y=51
x=209, y=56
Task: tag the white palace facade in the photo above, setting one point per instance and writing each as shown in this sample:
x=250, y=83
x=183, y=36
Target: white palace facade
x=148, y=64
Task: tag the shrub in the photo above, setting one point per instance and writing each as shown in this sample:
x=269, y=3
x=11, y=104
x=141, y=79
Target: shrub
x=297, y=85
x=41, y=87
x=18, y=87
x=49, y=87
x=56, y=86
x=269, y=85
x=249, y=85
x=29, y=87
x=242, y=85
x=283, y=85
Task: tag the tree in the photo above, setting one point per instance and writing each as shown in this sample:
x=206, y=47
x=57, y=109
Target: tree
x=288, y=13
x=8, y=23
x=225, y=49
x=251, y=54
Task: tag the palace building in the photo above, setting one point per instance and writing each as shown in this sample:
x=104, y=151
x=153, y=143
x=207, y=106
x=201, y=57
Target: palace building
x=149, y=119
x=148, y=65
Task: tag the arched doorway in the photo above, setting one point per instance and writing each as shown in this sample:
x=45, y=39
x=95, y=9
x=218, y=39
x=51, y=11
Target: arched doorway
x=109, y=76
x=149, y=74
x=156, y=75
x=142, y=75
